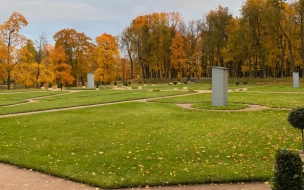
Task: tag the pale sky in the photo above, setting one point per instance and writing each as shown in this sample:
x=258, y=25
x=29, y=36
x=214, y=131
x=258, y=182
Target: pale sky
x=95, y=17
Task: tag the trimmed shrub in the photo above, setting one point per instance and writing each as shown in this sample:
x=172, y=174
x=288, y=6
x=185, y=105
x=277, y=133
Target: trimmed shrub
x=115, y=83
x=174, y=83
x=296, y=118
x=237, y=83
x=288, y=174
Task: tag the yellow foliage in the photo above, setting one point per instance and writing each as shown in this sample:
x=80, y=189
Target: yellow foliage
x=107, y=57
x=23, y=74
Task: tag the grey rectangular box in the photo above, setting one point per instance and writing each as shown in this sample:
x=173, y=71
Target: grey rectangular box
x=296, y=79
x=90, y=83
x=219, y=86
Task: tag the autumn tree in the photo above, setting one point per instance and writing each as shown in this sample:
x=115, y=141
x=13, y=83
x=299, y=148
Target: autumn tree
x=61, y=70
x=237, y=49
x=12, y=40
x=23, y=74
x=77, y=47
x=178, y=56
x=123, y=69
x=107, y=57
x=127, y=48
x=217, y=22
x=40, y=71
x=23, y=71
x=298, y=7
x=148, y=40
x=253, y=11
x=3, y=73
x=193, y=47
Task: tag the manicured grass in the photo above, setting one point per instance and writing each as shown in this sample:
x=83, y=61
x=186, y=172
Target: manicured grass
x=139, y=144
x=167, y=86
x=274, y=100
x=269, y=99
x=276, y=88
x=230, y=106
x=82, y=98
x=136, y=144
x=20, y=97
x=190, y=86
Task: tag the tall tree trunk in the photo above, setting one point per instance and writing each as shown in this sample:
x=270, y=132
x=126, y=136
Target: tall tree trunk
x=282, y=58
x=302, y=43
x=8, y=80
x=250, y=69
x=131, y=64
x=263, y=67
x=302, y=141
x=82, y=81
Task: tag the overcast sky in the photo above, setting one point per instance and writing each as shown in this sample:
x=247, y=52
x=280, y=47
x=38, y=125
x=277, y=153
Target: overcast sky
x=95, y=17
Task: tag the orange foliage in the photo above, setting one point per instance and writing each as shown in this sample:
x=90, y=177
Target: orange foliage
x=62, y=71
x=12, y=40
x=178, y=55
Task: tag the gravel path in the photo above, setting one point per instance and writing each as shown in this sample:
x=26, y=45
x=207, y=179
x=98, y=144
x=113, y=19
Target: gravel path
x=14, y=178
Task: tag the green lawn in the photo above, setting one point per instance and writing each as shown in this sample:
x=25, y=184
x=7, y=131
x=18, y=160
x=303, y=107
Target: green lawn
x=9, y=98
x=230, y=106
x=275, y=88
x=270, y=99
x=155, y=143
x=80, y=98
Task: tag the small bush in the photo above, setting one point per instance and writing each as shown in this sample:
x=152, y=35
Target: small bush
x=156, y=90
x=288, y=174
x=139, y=82
x=115, y=83
x=129, y=82
x=295, y=118
x=153, y=82
x=244, y=82
x=237, y=83
x=174, y=83
x=186, y=82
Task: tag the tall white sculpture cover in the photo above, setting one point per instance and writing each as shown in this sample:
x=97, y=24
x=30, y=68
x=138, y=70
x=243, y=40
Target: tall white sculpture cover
x=90, y=81
x=296, y=79
x=219, y=86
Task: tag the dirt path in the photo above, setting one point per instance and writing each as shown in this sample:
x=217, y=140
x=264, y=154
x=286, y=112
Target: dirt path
x=251, y=108
x=14, y=178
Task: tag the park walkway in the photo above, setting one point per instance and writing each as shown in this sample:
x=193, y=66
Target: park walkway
x=14, y=178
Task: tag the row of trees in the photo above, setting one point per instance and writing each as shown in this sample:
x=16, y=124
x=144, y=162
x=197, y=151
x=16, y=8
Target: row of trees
x=73, y=56
x=267, y=40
